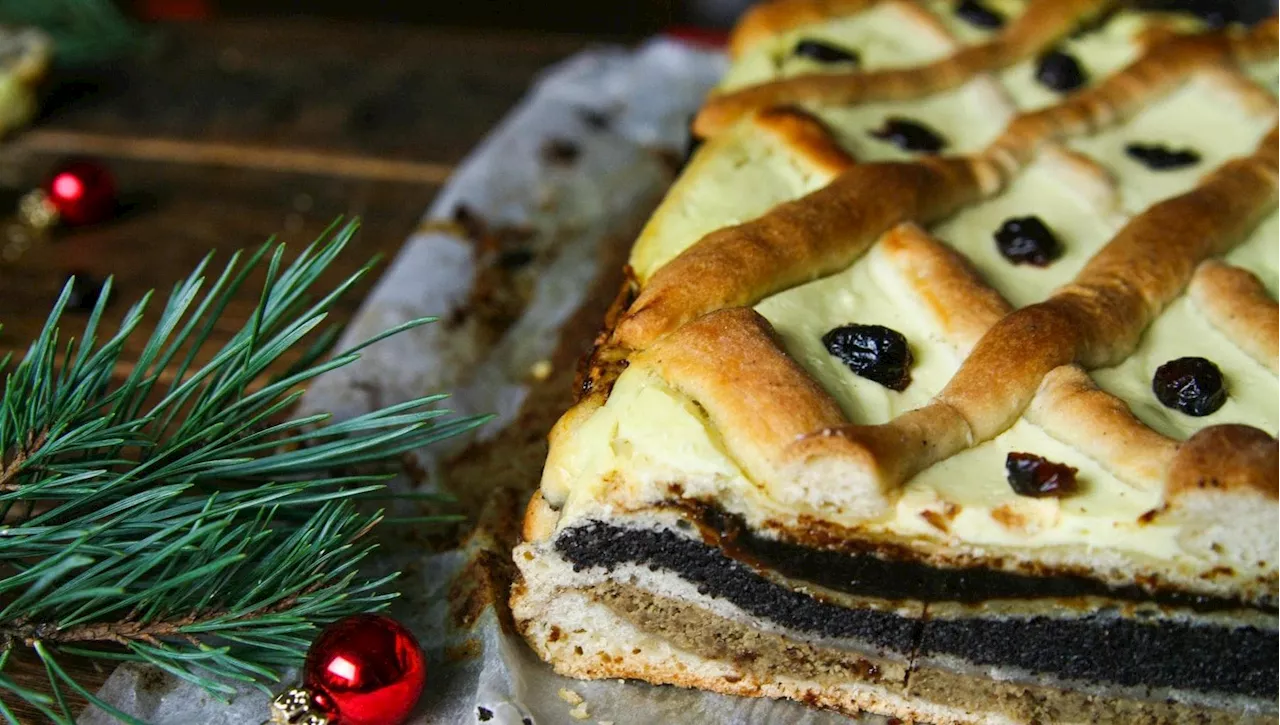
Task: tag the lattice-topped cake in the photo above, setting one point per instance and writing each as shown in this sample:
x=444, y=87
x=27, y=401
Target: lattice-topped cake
x=946, y=384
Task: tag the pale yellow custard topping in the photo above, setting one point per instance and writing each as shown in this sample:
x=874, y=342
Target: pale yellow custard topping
x=1266, y=74
x=878, y=35
x=1099, y=53
x=965, y=31
x=733, y=178
x=648, y=436
x=1202, y=115
x=967, y=118
x=1181, y=330
x=1261, y=253
x=1080, y=223
x=867, y=293
x=983, y=510
x=644, y=437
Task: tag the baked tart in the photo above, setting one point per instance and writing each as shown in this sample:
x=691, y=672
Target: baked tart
x=945, y=386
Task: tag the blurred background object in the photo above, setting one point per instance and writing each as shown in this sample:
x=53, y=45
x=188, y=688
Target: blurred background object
x=630, y=18
x=633, y=17
x=82, y=31
x=601, y=16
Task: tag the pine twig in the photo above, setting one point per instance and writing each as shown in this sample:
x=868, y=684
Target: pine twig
x=9, y=469
x=181, y=517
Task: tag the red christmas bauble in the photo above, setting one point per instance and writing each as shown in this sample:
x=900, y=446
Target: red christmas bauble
x=365, y=670
x=83, y=192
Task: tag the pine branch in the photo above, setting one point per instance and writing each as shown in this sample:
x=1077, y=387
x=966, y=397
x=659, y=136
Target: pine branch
x=9, y=469
x=182, y=517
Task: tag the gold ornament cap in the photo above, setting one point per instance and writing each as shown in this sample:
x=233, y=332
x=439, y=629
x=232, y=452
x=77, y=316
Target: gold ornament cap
x=36, y=210
x=295, y=707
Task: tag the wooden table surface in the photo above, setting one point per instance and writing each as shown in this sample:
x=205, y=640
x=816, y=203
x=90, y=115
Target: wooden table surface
x=223, y=134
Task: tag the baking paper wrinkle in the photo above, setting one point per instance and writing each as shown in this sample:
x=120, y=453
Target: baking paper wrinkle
x=648, y=96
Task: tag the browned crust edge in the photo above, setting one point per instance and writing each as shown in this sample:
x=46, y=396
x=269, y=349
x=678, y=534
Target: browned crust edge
x=1222, y=488
x=1237, y=304
x=1233, y=458
x=601, y=366
x=807, y=136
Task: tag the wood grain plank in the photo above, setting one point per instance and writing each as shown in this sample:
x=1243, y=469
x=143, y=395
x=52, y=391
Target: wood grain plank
x=394, y=92
x=237, y=155
x=634, y=18
x=179, y=214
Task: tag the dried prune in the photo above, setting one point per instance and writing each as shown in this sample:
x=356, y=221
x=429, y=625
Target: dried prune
x=1059, y=71
x=824, y=52
x=874, y=352
x=1026, y=240
x=977, y=14
x=1159, y=157
x=910, y=136
x=1037, y=477
x=1192, y=385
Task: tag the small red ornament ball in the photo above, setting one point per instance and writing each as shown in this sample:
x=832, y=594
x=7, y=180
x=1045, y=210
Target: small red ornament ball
x=365, y=670
x=83, y=192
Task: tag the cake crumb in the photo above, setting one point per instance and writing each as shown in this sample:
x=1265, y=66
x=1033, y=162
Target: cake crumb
x=580, y=712
x=541, y=370
x=570, y=696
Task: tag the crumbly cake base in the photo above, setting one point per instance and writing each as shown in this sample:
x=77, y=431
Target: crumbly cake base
x=613, y=630
x=585, y=639
x=643, y=622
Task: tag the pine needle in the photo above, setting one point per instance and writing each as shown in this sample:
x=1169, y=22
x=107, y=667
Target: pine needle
x=194, y=525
